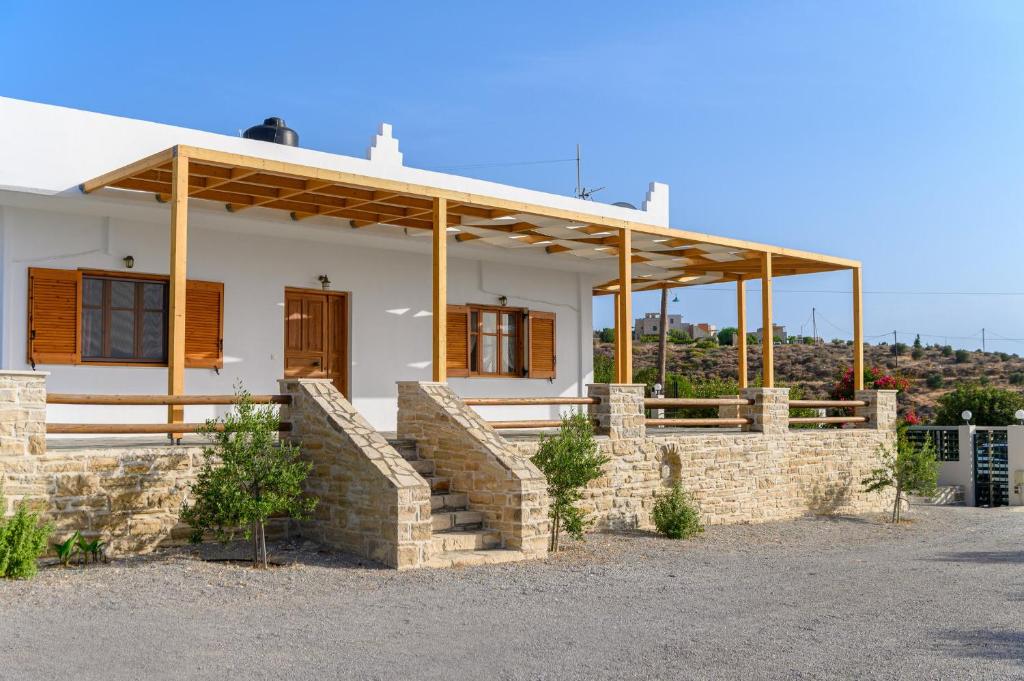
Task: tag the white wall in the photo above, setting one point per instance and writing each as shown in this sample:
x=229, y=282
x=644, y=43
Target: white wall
x=256, y=259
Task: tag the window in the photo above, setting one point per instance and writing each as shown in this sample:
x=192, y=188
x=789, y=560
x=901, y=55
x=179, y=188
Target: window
x=500, y=341
x=123, y=320
x=93, y=316
x=494, y=341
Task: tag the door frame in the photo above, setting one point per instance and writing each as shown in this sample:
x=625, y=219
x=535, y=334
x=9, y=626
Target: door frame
x=346, y=373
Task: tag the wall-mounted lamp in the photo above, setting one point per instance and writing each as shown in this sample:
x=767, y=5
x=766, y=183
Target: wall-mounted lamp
x=129, y=261
x=325, y=283
x=503, y=300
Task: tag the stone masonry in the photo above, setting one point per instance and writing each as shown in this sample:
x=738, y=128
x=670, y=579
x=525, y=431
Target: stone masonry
x=372, y=501
x=763, y=472
x=505, y=487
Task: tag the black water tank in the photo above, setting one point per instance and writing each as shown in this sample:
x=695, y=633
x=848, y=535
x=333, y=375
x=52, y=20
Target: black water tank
x=273, y=130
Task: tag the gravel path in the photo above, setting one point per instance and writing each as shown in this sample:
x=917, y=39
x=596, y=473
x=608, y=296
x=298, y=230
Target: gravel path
x=940, y=598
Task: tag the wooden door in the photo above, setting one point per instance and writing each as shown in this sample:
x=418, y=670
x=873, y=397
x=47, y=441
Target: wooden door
x=316, y=336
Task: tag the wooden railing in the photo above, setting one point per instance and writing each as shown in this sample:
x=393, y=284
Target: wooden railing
x=695, y=403
x=148, y=400
x=526, y=402
x=826, y=420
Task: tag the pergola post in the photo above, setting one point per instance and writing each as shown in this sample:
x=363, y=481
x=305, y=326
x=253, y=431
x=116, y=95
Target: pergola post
x=858, y=331
x=741, y=331
x=767, y=329
x=440, y=288
x=176, y=294
x=625, y=335
x=617, y=346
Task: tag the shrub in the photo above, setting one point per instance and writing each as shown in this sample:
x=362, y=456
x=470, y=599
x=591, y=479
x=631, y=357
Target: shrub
x=907, y=468
x=916, y=353
x=607, y=335
x=604, y=368
x=569, y=460
x=917, y=341
x=989, y=405
x=874, y=379
x=947, y=350
x=962, y=356
x=247, y=476
x=900, y=349
x=1017, y=378
x=22, y=541
x=707, y=343
x=675, y=514
x=934, y=381
x=679, y=337
x=725, y=335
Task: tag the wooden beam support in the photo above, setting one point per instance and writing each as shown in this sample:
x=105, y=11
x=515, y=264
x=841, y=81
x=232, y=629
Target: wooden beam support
x=155, y=161
x=616, y=344
x=767, y=330
x=440, y=288
x=176, y=293
x=625, y=300
x=741, y=331
x=858, y=330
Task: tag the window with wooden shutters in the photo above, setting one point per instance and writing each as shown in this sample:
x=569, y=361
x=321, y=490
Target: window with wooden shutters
x=54, y=309
x=91, y=316
x=541, y=335
x=458, y=340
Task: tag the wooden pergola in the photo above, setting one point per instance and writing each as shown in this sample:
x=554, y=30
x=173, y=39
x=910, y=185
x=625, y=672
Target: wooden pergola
x=649, y=257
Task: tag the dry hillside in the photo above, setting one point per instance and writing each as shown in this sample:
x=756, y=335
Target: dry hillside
x=815, y=368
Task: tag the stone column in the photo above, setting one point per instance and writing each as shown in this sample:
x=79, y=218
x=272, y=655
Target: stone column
x=22, y=414
x=770, y=411
x=880, y=410
x=620, y=412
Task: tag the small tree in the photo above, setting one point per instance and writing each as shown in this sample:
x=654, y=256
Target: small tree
x=247, y=476
x=726, y=334
x=907, y=468
x=675, y=514
x=607, y=335
x=569, y=460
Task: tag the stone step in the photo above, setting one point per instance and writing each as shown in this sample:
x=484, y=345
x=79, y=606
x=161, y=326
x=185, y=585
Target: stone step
x=450, y=559
x=465, y=540
x=448, y=502
x=405, y=447
x=456, y=520
x=424, y=467
x=438, y=485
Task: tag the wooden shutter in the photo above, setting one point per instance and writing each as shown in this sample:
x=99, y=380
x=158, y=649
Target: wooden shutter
x=54, y=316
x=541, y=339
x=458, y=340
x=204, y=324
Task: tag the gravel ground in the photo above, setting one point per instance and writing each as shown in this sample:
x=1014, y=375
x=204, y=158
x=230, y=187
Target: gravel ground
x=939, y=598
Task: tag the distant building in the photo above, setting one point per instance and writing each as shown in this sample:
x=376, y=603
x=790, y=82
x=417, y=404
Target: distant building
x=649, y=325
x=778, y=332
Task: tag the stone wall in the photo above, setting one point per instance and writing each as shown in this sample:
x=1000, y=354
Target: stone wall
x=509, y=490
x=372, y=501
x=767, y=472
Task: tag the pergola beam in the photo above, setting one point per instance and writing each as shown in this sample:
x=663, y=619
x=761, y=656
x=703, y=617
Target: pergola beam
x=624, y=358
x=439, y=320
x=741, y=332
x=858, y=330
x=177, y=270
x=767, y=328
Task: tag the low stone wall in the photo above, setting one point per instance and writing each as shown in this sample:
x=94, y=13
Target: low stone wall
x=507, y=488
x=767, y=472
x=372, y=501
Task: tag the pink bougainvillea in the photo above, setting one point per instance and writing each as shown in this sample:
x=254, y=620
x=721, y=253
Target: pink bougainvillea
x=874, y=379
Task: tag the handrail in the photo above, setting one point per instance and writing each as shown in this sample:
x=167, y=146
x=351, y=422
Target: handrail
x=697, y=422
x=138, y=428
x=527, y=401
x=78, y=398
x=827, y=419
x=510, y=425
x=826, y=404
x=697, y=402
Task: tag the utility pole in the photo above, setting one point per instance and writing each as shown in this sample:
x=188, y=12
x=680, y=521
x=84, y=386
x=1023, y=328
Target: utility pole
x=896, y=350
x=983, y=339
x=579, y=175
x=814, y=324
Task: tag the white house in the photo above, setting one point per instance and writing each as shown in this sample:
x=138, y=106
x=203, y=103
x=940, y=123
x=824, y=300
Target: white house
x=305, y=263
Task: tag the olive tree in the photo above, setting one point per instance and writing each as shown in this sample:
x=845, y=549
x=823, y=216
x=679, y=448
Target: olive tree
x=907, y=468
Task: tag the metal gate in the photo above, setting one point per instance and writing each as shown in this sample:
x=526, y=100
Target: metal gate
x=991, y=469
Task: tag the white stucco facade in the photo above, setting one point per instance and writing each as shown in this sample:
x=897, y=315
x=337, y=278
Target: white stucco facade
x=46, y=151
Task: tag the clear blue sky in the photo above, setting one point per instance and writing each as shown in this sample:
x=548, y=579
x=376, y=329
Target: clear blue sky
x=891, y=132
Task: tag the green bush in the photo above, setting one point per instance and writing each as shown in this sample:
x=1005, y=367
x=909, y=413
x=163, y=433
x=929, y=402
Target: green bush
x=604, y=368
x=676, y=515
x=1017, y=378
x=607, y=335
x=22, y=541
x=569, y=460
x=989, y=405
x=962, y=356
x=934, y=381
x=906, y=468
x=678, y=337
x=726, y=334
x=917, y=353
x=947, y=350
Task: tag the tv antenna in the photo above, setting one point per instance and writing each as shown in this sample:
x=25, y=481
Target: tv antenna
x=581, y=191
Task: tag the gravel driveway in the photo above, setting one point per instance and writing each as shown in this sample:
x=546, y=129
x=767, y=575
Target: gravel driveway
x=940, y=598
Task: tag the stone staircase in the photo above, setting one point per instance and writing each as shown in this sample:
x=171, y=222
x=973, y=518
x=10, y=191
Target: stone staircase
x=459, y=537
